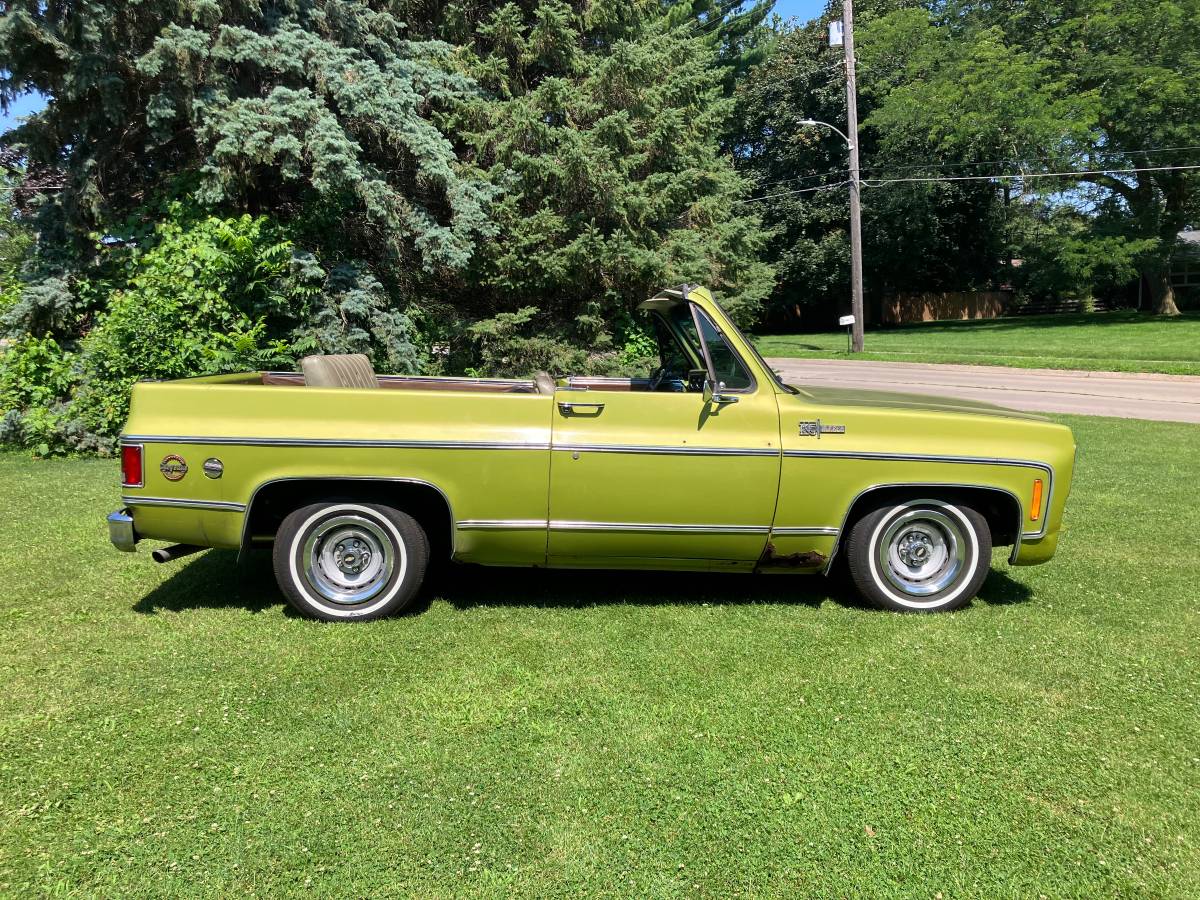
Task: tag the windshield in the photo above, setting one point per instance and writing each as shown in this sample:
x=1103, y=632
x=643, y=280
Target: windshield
x=682, y=353
x=771, y=373
x=727, y=365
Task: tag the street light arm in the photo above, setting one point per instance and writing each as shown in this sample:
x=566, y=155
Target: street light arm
x=833, y=128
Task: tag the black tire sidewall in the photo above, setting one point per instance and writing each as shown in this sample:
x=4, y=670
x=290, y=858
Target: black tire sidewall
x=862, y=558
x=409, y=545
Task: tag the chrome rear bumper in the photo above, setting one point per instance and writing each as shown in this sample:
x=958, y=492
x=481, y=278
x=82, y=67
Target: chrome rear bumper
x=120, y=531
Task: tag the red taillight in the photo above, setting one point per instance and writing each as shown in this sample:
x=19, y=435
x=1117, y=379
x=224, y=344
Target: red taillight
x=131, y=465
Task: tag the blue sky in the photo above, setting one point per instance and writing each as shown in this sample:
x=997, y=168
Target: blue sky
x=800, y=9
x=22, y=107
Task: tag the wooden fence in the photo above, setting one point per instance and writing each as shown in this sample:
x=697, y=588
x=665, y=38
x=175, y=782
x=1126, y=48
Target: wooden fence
x=931, y=306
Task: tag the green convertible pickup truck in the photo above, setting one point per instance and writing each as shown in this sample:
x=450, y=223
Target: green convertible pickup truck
x=709, y=462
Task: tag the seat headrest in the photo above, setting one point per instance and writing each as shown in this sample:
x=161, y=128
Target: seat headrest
x=349, y=370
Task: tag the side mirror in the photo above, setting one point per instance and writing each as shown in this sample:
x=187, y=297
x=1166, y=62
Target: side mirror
x=714, y=392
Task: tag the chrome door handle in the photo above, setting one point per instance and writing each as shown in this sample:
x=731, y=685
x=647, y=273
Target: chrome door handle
x=567, y=407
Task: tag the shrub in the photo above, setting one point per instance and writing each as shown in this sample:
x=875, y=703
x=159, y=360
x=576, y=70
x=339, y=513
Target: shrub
x=198, y=302
x=35, y=375
x=204, y=295
x=151, y=335
x=10, y=293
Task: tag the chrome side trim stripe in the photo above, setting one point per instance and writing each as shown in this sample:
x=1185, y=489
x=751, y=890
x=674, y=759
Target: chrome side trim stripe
x=221, y=505
x=920, y=457
x=488, y=524
x=634, y=527
x=336, y=442
x=964, y=460
x=672, y=450
x=651, y=527
x=805, y=530
x=388, y=443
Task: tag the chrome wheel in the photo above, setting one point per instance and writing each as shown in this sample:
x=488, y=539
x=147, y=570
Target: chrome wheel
x=922, y=551
x=921, y=555
x=348, y=559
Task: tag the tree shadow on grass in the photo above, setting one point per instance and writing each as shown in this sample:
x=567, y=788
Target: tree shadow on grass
x=1096, y=321
x=217, y=580
x=816, y=347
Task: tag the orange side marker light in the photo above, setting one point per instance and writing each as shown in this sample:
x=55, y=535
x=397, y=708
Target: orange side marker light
x=1035, y=504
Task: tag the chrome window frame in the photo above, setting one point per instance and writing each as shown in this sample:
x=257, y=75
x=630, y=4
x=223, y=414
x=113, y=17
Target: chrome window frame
x=696, y=312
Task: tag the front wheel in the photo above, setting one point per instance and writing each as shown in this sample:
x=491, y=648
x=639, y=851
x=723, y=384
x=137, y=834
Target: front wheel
x=339, y=561
x=919, y=555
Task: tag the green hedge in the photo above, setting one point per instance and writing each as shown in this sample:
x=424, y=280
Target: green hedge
x=199, y=295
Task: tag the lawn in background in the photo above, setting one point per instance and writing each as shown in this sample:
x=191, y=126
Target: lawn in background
x=173, y=730
x=1121, y=341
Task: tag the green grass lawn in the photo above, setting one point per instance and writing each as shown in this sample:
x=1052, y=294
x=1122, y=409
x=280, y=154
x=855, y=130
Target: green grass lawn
x=173, y=730
x=1115, y=342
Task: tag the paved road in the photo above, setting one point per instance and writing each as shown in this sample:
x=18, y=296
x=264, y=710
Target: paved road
x=1169, y=398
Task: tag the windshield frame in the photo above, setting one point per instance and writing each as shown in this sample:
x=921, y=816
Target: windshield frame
x=698, y=352
x=758, y=357
x=697, y=311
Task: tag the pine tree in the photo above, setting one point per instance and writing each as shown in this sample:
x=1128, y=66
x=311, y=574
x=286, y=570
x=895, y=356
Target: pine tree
x=554, y=163
x=601, y=123
x=258, y=107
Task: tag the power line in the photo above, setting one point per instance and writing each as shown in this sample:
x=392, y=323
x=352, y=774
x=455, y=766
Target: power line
x=877, y=182
x=715, y=16
x=716, y=19
x=881, y=182
x=1022, y=159
x=767, y=184
x=808, y=190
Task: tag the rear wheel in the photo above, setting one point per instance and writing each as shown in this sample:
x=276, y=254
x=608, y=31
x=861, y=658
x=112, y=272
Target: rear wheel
x=919, y=555
x=338, y=561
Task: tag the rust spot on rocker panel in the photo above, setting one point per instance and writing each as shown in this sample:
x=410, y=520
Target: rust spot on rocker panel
x=809, y=559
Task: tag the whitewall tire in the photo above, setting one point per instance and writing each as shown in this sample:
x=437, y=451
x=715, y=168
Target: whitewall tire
x=342, y=561
x=920, y=555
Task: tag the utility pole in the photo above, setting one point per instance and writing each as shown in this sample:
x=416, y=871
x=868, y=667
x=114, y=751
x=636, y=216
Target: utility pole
x=856, y=274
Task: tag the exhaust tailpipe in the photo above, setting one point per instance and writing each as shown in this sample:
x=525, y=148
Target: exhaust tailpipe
x=176, y=551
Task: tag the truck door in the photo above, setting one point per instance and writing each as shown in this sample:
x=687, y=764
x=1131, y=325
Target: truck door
x=655, y=472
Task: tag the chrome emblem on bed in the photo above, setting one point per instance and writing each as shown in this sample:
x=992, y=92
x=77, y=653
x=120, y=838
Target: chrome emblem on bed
x=213, y=467
x=173, y=467
x=816, y=429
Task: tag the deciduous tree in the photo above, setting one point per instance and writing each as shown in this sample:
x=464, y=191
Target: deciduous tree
x=1054, y=86
x=917, y=237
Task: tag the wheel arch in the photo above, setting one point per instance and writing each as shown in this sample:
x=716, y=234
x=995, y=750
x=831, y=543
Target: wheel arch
x=1000, y=507
x=272, y=500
